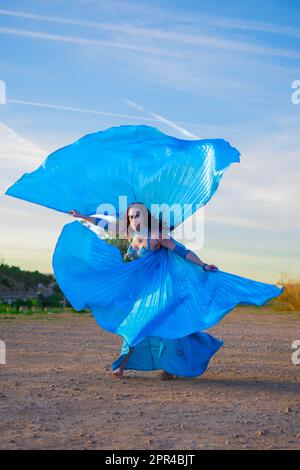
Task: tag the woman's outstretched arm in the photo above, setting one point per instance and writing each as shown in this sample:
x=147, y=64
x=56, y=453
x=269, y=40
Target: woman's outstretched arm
x=180, y=250
x=105, y=224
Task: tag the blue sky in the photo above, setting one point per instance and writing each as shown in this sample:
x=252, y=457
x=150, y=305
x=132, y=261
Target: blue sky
x=204, y=69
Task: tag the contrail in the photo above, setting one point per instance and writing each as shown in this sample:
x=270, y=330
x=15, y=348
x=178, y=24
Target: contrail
x=155, y=117
x=81, y=110
x=159, y=118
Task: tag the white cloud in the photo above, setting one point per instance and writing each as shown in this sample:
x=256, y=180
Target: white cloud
x=28, y=231
x=85, y=41
x=17, y=155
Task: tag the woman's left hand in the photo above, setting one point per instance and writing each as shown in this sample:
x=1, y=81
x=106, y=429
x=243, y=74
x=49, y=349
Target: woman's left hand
x=211, y=267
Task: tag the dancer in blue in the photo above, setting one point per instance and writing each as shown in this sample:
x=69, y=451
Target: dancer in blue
x=188, y=356
x=162, y=302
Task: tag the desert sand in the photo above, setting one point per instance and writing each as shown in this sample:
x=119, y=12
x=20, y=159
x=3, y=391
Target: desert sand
x=57, y=391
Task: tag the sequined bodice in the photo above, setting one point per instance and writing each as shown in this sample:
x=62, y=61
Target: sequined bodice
x=134, y=253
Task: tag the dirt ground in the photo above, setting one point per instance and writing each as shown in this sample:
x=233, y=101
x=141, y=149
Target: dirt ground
x=57, y=391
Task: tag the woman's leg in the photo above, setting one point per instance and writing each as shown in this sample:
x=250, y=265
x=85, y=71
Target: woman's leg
x=127, y=357
x=119, y=371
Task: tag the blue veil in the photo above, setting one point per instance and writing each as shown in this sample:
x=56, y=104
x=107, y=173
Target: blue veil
x=160, y=303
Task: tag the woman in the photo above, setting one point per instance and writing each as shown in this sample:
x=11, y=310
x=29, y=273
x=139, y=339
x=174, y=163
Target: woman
x=160, y=304
x=143, y=239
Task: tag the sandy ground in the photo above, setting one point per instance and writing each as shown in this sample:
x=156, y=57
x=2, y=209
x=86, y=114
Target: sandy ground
x=57, y=391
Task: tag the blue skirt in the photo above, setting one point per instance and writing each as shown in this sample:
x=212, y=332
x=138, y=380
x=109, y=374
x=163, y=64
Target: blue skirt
x=187, y=357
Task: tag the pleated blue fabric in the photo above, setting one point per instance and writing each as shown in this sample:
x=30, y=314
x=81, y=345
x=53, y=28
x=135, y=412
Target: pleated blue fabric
x=159, y=303
x=141, y=163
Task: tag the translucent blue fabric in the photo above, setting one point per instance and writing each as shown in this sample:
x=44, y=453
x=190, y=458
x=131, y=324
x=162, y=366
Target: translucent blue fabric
x=139, y=162
x=159, y=303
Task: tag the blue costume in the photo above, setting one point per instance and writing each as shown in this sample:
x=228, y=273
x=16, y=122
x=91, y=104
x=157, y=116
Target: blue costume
x=161, y=302
x=134, y=253
x=187, y=356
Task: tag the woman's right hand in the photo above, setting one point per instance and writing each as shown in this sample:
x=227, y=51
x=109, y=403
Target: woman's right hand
x=211, y=267
x=75, y=213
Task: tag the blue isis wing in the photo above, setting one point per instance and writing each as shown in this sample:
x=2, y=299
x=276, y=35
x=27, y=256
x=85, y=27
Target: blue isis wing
x=138, y=162
x=184, y=174
x=81, y=175
x=160, y=294
x=92, y=274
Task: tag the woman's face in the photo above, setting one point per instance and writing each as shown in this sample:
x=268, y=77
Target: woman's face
x=136, y=217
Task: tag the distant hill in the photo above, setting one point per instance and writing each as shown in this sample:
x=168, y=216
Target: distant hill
x=14, y=278
x=16, y=283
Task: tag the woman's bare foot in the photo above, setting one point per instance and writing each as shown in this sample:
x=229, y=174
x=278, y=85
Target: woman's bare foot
x=118, y=372
x=166, y=375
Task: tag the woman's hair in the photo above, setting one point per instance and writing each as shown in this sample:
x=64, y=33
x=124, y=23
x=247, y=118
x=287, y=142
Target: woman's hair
x=151, y=221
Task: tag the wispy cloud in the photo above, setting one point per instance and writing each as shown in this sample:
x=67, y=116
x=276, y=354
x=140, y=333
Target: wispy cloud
x=84, y=41
x=221, y=21
x=28, y=231
x=17, y=155
x=182, y=38
x=273, y=28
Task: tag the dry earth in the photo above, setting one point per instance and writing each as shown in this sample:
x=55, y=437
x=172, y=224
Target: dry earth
x=57, y=391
